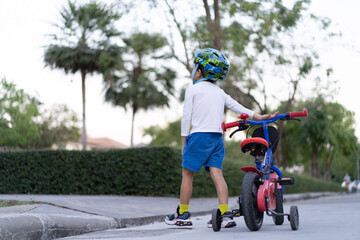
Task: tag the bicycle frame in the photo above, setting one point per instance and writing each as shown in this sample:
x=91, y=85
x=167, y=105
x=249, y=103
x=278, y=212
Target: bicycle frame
x=269, y=160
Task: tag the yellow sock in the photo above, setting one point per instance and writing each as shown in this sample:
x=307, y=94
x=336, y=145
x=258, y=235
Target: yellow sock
x=183, y=208
x=224, y=208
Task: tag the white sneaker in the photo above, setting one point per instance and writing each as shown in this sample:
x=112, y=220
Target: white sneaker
x=180, y=220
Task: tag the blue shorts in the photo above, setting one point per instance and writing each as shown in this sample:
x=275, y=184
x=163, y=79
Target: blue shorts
x=203, y=149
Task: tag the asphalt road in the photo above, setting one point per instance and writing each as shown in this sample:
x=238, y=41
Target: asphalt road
x=327, y=218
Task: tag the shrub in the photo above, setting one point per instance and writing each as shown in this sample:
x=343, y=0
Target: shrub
x=152, y=171
x=140, y=171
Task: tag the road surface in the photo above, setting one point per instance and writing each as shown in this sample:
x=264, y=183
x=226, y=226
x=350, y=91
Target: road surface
x=327, y=218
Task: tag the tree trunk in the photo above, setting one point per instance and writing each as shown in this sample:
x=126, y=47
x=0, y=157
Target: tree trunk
x=213, y=26
x=132, y=127
x=314, y=163
x=327, y=176
x=83, y=135
x=281, y=153
x=283, y=159
x=217, y=27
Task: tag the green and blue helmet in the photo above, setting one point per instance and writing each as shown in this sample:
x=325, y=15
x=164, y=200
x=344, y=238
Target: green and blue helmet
x=215, y=66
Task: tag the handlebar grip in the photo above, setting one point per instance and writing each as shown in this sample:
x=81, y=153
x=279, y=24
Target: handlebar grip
x=299, y=114
x=225, y=126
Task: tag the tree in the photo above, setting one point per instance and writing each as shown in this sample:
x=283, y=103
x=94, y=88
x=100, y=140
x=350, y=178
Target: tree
x=250, y=33
x=18, y=113
x=25, y=125
x=138, y=85
x=58, y=126
x=328, y=133
x=168, y=136
x=342, y=142
x=83, y=44
x=261, y=39
x=314, y=132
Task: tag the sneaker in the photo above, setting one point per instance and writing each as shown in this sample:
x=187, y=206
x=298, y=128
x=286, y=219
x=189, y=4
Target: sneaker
x=180, y=220
x=227, y=221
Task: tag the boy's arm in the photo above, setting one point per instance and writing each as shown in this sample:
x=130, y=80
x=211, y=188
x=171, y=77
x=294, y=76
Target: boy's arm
x=238, y=108
x=259, y=117
x=186, y=118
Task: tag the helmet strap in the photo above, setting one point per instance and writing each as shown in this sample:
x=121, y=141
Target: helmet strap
x=193, y=75
x=200, y=80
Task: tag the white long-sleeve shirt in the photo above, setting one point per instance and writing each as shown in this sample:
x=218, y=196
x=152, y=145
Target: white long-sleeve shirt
x=204, y=108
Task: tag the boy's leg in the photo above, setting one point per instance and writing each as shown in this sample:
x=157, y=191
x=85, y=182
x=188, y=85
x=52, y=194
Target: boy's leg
x=222, y=192
x=186, y=186
x=183, y=215
x=220, y=185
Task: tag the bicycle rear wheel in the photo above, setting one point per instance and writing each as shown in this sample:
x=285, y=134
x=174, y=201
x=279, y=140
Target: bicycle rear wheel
x=278, y=220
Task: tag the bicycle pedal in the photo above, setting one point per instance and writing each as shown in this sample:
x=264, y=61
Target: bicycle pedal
x=286, y=181
x=236, y=212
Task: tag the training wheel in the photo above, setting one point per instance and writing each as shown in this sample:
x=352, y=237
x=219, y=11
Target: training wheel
x=294, y=218
x=216, y=219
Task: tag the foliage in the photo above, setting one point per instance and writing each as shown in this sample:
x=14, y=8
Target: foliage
x=25, y=125
x=168, y=136
x=140, y=86
x=57, y=126
x=84, y=33
x=83, y=42
x=325, y=137
x=18, y=113
x=259, y=39
x=138, y=171
x=154, y=171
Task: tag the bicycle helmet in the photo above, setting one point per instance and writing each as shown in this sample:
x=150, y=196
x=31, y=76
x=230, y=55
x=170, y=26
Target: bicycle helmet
x=214, y=65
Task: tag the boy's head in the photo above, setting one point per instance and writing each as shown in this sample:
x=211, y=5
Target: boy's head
x=213, y=65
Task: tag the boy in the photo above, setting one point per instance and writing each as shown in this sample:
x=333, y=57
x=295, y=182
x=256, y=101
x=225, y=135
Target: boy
x=204, y=147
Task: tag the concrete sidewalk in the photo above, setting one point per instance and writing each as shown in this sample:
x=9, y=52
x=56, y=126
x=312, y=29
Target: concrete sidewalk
x=56, y=216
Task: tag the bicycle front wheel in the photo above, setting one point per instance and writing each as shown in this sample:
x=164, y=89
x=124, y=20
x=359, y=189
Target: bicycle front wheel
x=253, y=217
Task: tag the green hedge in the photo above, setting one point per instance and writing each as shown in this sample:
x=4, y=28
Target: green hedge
x=141, y=171
x=154, y=171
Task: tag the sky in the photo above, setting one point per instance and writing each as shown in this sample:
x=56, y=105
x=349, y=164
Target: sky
x=23, y=28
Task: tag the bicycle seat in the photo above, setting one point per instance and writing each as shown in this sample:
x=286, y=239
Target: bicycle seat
x=256, y=145
x=273, y=135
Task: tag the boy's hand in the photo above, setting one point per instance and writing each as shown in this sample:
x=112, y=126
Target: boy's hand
x=258, y=117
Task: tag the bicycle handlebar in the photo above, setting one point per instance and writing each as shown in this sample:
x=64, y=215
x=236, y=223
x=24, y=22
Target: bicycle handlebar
x=285, y=116
x=225, y=126
x=299, y=114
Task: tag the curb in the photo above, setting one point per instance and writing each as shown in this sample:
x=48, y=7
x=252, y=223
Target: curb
x=39, y=226
x=307, y=196
x=132, y=222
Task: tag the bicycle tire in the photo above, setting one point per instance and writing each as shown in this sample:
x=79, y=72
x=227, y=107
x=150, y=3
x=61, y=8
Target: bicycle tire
x=278, y=220
x=252, y=216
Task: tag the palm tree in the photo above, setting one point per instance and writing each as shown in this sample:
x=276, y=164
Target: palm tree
x=83, y=43
x=140, y=86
